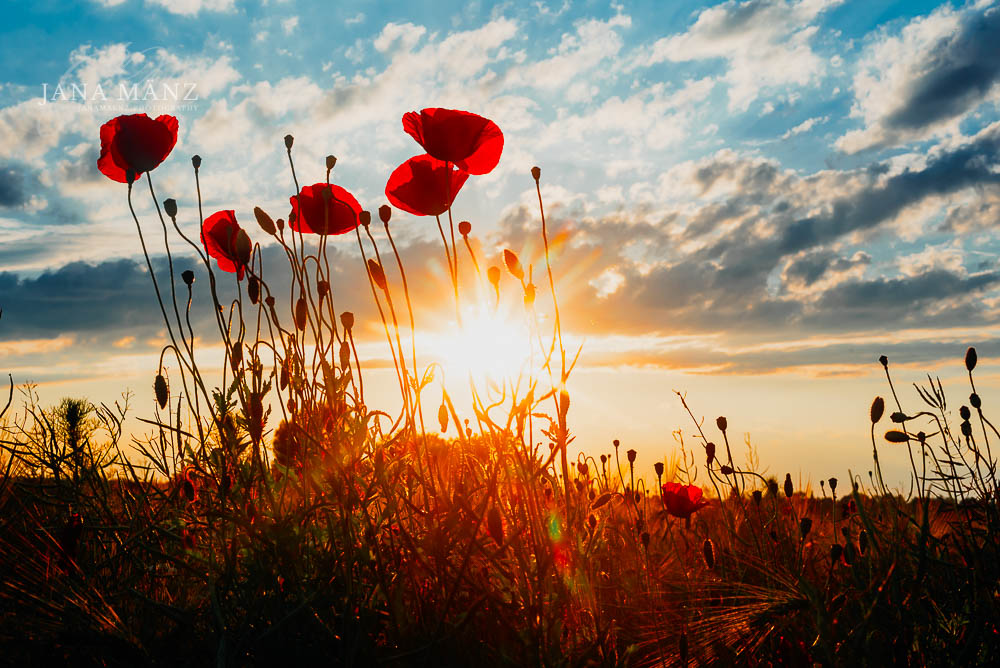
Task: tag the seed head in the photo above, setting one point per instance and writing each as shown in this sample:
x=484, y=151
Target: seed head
x=536, y=173
x=188, y=277
x=616, y=443
x=323, y=288
x=721, y=423
x=196, y=161
x=789, y=488
x=833, y=485
x=976, y=402
x=757, y=496
x=725, y=469
x=289, y=140
x=966, y=429
x=965, y=412
x=253, y=290
x=884, y=361
x=365, y=218
x=301, y=313
x=385, y=213
x=658, y=468
x=464, y=228
x=345, y=355
x=805, y=526
x=331, y=162
x=709, y=453
x=631, y=456
x=170, y=207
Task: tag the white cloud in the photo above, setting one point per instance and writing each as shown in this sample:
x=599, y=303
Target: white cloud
x=805, y=126
x=766, y=44
x=402, y=36
x=290, y=24
x=356, y=19
x=192, y=7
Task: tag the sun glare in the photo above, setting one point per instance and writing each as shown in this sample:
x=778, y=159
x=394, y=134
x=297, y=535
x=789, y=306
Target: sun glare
x=490, y=346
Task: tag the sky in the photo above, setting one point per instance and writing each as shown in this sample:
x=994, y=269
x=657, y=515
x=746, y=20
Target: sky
x=751, y=201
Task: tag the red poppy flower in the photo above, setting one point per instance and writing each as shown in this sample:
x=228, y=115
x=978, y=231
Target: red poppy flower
x=682, y=500
x=424, y=186
x=135, y=142
x=227, y=242
x=471, y=142
x=315, y=214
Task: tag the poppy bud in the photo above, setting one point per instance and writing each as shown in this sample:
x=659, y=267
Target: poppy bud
x=494, y=525
x=188, y=277
x=513, y=264
x=385, y=213
x=331, y=161
x=464, y=228
x=896, y=436
x=443, y=417
x=280, y=224
x=160, y=390
x=884, y=361
x=726, y=470
x=536, y=173
x=708, y=549
x=253, y=290
x=365, y=218
x=345, y=355
x=965, y=412
x=375, y=269
x=493, y=276
x=721, y=423
x=789, y=488
x=657, y=468
x=709, y=453
x=976, y=402
x=878, y=407
x=244, y=248
x=616, y=443
x=805, y=526
x=966, y=429
x=971, y=358
x=756, y=495
x=899, y=417
x=833, y=485
x=323, y=289
x=631, y=456
x=529, y=294
x=264, y=220
x=170, y=207
x=347, y=320
x=289, y=140
x=863, y=542
x=301, y=313
x=269, y=300
x=236, y=358
x=283, y=377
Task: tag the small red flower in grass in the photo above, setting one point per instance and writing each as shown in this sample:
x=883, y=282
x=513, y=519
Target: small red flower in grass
x=471, y=142
x=424, y=186
x=318, y=213
x=227, y=242
x=682, y=500
x=135, y=142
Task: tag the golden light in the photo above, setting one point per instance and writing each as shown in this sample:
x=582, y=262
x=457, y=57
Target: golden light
x=491, y=346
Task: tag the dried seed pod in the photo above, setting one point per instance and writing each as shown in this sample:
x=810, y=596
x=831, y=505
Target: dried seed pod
x=863, y=542
x=964, y=412
x=289, y=140
x=375, y=269
x=726, y=469
x=188, y=277
x=976, y=402
x=196, y=161
x=385, y=213
x=658, y=469
x=322, y=289
x=708, y=549
x=709, y=453
x=464, y=228
x=631, y=455
x=789, y=488
x=365, y=218
x=236, y=357
x=805, y=526
x=331, y=162
x=347, y=320
x=833, y=485
x=878, y=408
x=160, y=390
x=170, y=207
x=756, y=495
x=536, y=173
x=301, y=313
x=884, y=361
x=264, y=221
x=966, y=429
x=721, y=423
x=513, y=264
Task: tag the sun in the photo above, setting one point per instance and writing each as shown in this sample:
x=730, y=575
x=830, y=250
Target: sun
x=492, y=346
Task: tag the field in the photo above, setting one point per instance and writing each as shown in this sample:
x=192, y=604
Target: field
x=276, y=517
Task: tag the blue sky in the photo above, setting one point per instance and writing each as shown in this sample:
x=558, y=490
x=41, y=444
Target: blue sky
x=746, y=189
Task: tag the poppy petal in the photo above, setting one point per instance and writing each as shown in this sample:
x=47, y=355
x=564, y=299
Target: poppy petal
x=218, y=234
x=467, y=140
x=136, y=142
x=424, y=186
x=315, y=214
